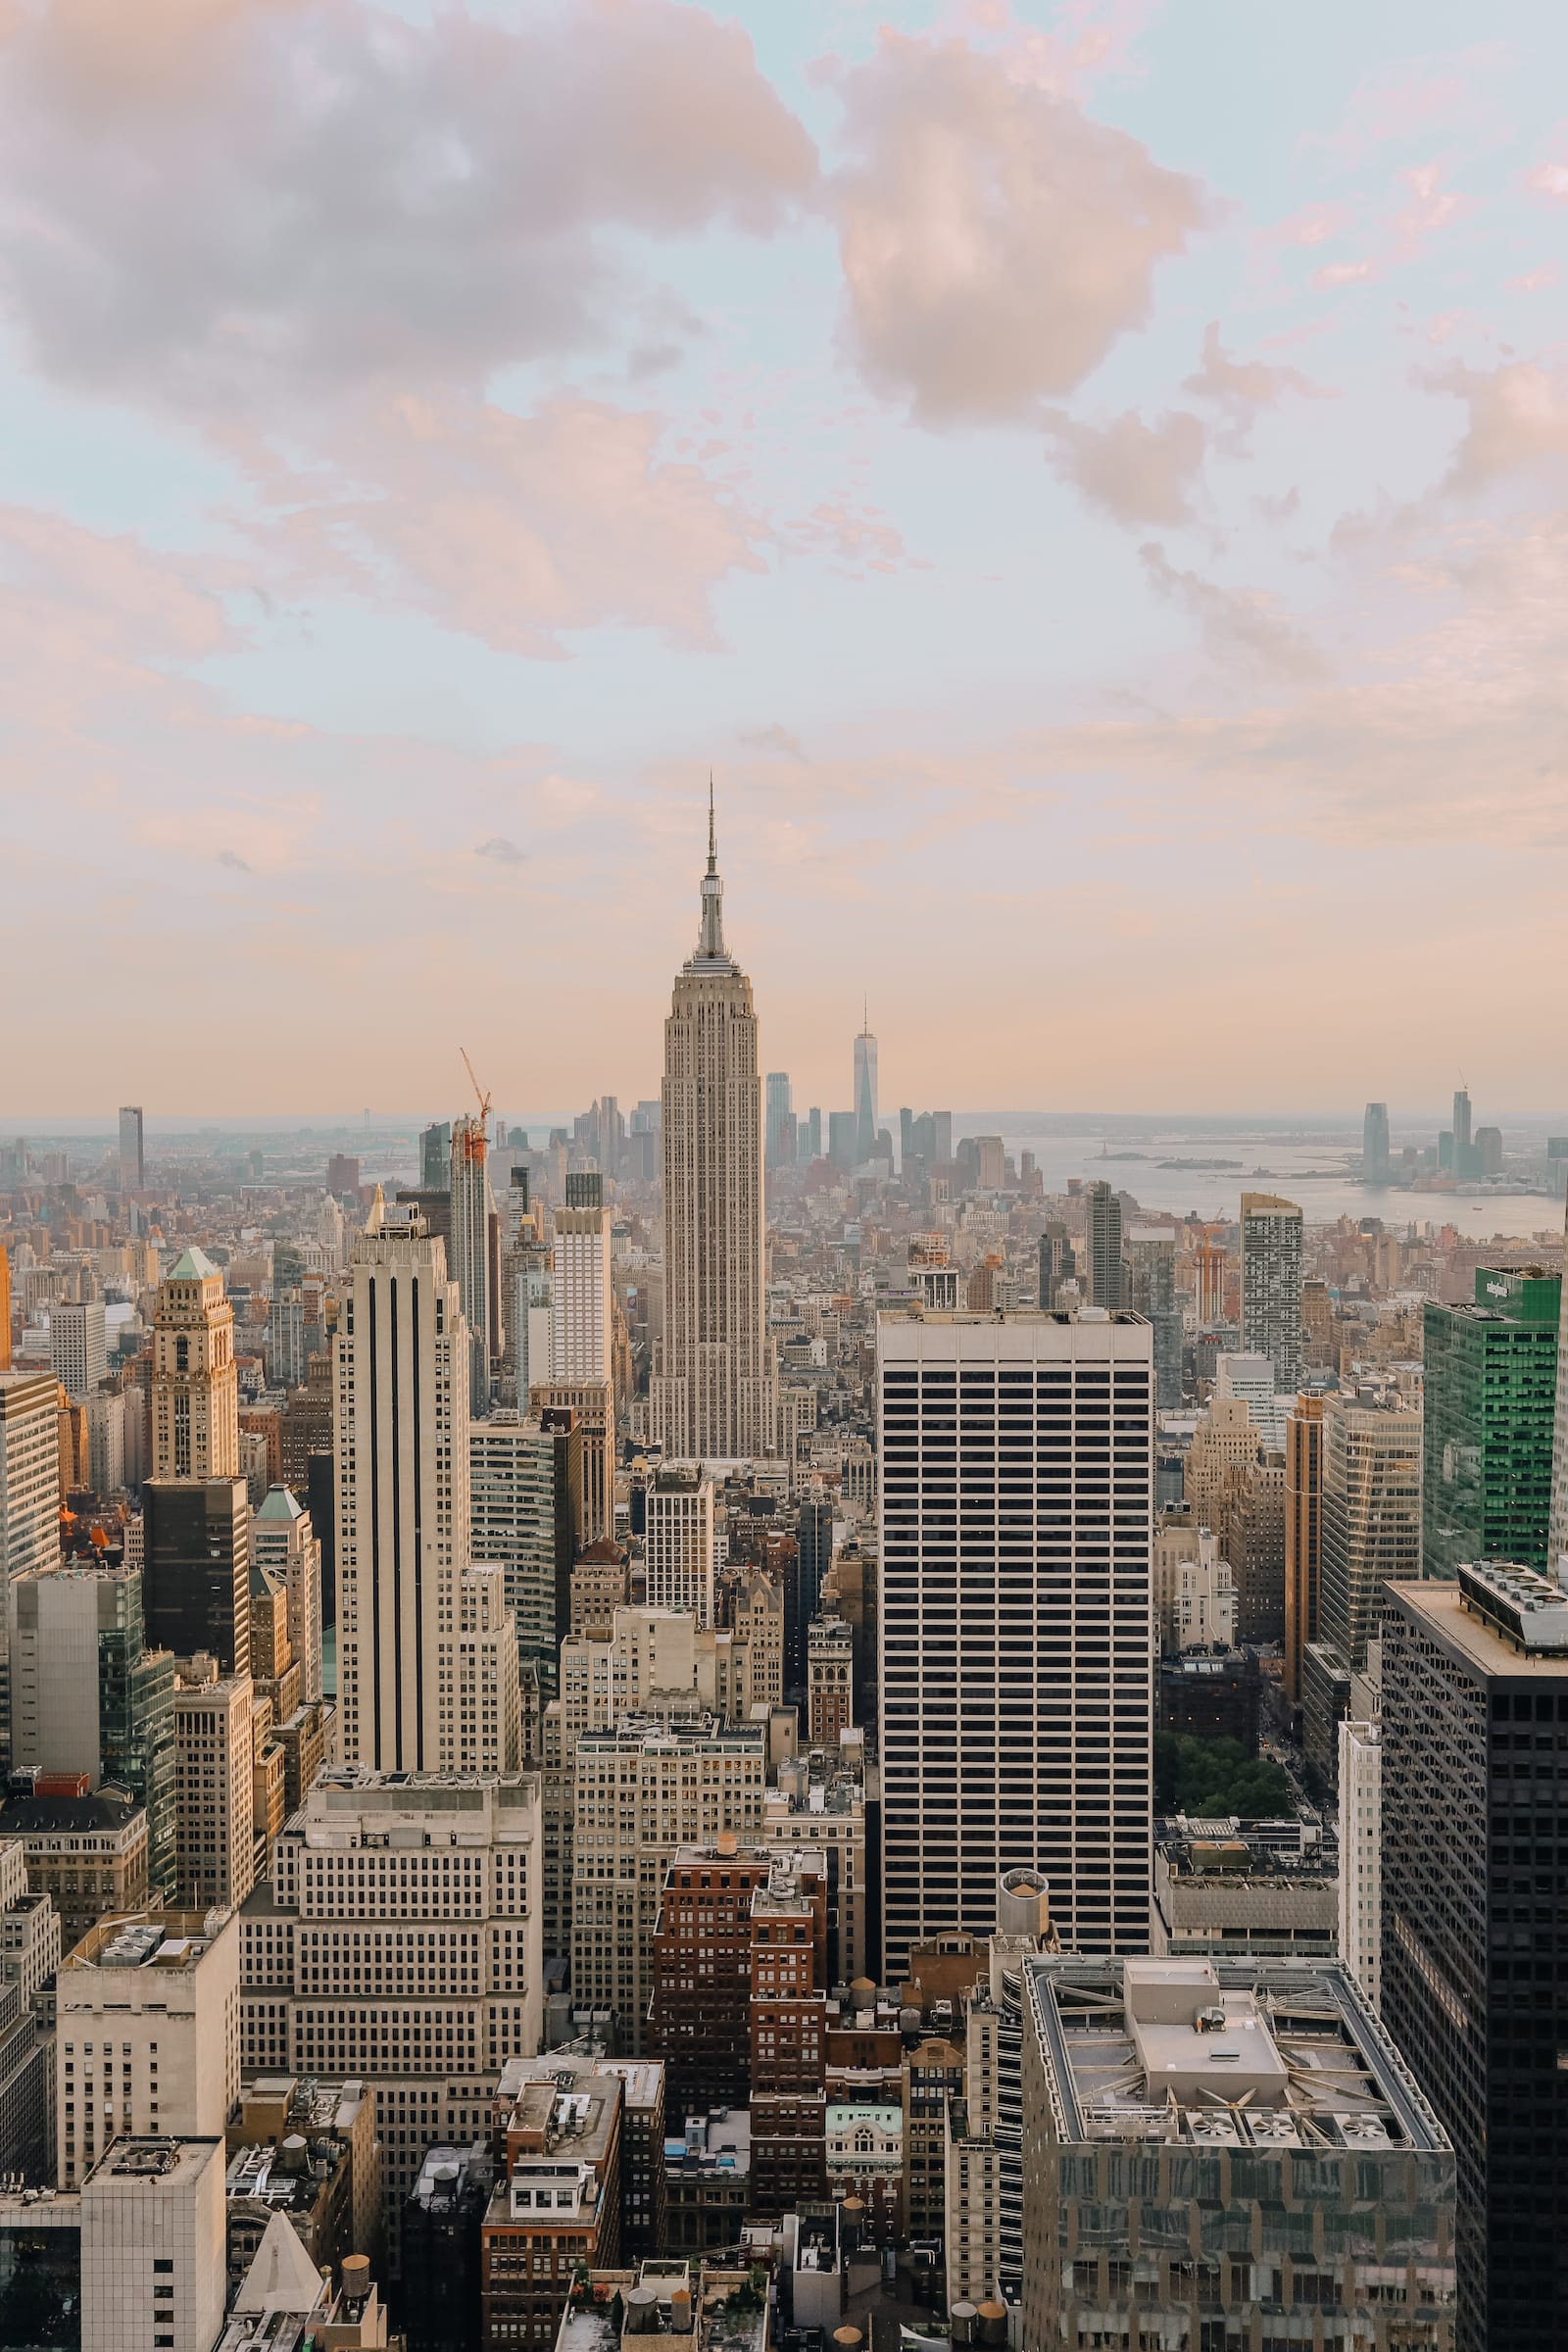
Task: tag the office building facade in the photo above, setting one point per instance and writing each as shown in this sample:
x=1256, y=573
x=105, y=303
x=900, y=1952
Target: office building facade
x=1104, y=1266
x=78, y=1348
x=397, y=1941
x=1475, y=1950
x=524, y=1494
x=1232, y=2152
x=1271, y=1285
x=1303, y=1535
x=679, y=1543
x=196, y=1568
x=1017, y=1527
x=1372, y=1455
x=1489, y=1400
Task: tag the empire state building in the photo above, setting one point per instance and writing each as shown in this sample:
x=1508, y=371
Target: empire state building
x=712, y=1393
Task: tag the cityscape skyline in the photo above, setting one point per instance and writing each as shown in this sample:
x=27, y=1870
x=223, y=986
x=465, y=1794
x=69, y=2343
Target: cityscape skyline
x=756, y=1712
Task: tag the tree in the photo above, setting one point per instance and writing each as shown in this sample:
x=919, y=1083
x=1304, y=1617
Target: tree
x=1216, y=1778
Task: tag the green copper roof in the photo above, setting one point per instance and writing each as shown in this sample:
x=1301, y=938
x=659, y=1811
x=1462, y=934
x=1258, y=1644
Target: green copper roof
x=279, y=1502
x=192, y=1265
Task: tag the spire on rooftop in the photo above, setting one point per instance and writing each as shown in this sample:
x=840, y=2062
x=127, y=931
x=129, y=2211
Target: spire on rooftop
x=711, y=941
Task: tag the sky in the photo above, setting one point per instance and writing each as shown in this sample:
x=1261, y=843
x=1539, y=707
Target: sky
x=1091, y=482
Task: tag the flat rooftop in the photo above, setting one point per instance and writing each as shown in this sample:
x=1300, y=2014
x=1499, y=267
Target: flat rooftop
x=1221, y=2053
x=1445, y=1608
x=159, y=1940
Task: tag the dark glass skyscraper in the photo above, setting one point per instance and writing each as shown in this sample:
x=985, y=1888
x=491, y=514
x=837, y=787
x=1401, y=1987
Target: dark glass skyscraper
x=1375, y=1143
x=1105, y=1247
x=1475, y=1922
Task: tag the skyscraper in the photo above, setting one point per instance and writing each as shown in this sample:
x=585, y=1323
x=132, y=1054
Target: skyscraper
x=780, y=1131
x=413, y=1670
x=582, y=1363
x=1491, y=1390
x=1462, y=1146
x=1557, y=1515
x=133, y=1163
x=864, y=1095
x=1475, y=1962
x=78, y=1352
x=1271, y=1284
x=1303, y=1534
x=195, y=1402
x=526, y=1497
x=471, y=1211
x=30, y=1496
x=712, y=1391
x=1375, y=1143
x=1016, y=1526
x=1105, y=1247
x=89, y=1693
x=1371, y=1517
x=435, y=1156
x=1151, y=1282
x=679, y=1546
x=285, y=1543
x=196, y=1568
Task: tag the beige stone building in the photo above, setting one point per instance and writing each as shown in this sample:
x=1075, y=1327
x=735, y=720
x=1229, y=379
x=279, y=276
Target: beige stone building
x=195, y=1390
x=214, y=1808
x=397, y=1940
x=147, y=2032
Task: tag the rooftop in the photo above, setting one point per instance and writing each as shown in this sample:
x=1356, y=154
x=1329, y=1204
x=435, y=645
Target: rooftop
x=1454, y=1617
x=192, y=1265
x=62, y=1816
x=1221, y=2053
x=161, y=1939
x=281, y=1503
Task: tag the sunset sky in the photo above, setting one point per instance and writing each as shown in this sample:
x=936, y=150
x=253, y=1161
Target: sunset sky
x=1091, y=480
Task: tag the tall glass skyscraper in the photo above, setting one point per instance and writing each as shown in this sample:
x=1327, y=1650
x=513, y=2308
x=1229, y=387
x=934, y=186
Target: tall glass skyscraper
x=1375, y=1142
x=1490, y=1404
x=865, y=1114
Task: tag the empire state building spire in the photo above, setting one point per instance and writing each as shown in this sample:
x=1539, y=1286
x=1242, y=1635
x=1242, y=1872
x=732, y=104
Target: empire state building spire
x=712, y=1395
x=711, y=941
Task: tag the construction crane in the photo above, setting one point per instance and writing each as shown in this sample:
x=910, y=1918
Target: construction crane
x=481, y=1098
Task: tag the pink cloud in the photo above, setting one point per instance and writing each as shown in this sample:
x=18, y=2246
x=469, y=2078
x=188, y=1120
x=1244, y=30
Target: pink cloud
x=341, y=194
x=1243, y=631
x=1549, y=179
x=519, y=529
x=1138, y=474
x=996, y=241
x=1345, y=274
x=1518, y=419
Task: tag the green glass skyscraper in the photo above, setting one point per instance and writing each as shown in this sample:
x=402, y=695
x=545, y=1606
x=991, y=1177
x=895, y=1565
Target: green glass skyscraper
x=1491, y=1389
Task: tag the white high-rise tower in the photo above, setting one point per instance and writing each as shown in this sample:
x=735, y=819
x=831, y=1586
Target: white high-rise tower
x=712, y=1394
x=427, y=1652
